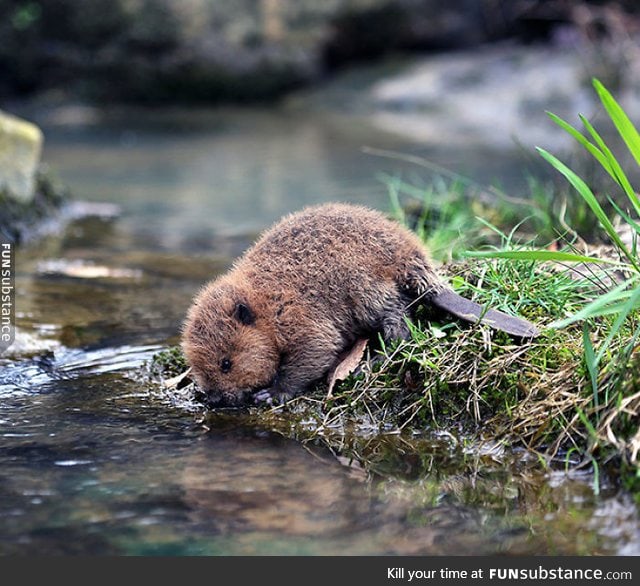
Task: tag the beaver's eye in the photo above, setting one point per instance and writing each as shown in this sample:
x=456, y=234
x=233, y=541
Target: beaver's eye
x=225, y=365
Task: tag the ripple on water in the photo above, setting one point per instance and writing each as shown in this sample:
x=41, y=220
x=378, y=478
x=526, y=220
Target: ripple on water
x=69, y=463
x=34, y=375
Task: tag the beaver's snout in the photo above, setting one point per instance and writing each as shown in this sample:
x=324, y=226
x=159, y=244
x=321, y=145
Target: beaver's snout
x=215, y=399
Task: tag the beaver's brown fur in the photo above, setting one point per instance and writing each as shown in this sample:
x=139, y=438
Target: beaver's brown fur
x=309, y=287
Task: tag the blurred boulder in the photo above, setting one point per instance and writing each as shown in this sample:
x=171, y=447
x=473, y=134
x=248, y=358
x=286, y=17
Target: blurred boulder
x=30, y=201
x=20, y=148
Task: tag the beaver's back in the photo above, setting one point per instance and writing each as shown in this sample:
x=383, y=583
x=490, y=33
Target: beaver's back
x=331, y=250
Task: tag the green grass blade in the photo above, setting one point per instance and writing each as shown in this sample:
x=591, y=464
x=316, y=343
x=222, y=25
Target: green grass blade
x=583, y=189
x=584, y=142
x=541, y=255
x=624, y=126
x=626, y=217
x=588, y=425
x=591, y=362
x=617, y=173
x=632, y=303
x=612, y=310
x=609, y=303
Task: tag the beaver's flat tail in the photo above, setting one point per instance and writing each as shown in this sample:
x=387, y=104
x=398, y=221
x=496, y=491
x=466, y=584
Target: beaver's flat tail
x=473, y=312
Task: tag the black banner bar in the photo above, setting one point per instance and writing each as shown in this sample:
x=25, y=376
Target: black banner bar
x=330, y=571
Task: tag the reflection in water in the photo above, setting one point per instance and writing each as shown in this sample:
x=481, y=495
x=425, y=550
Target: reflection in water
x=248, y=488
x=94, y=462
x=241, y=484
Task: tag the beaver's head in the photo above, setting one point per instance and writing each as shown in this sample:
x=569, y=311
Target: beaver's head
x=229, y=345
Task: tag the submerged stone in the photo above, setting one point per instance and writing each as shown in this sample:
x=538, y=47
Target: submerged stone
x=20, y=148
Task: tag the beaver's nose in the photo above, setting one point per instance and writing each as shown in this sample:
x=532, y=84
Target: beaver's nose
x=211, y=398
x=221, y=400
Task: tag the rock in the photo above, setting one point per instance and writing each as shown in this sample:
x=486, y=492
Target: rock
x=494, y=96
x=20, y=148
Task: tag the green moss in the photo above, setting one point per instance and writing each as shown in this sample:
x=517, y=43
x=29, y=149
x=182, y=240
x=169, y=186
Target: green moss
x=168, y=363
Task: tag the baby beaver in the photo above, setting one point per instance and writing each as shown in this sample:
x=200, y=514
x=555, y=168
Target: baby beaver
x=312, y=285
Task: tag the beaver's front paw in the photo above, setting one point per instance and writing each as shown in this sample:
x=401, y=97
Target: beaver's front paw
x=272, y=396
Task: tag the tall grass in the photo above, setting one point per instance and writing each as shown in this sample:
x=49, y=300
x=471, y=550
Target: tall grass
x=611, y=324
x=624, y=298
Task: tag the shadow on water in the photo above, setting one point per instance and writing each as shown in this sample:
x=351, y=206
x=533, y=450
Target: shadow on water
x=94, y=461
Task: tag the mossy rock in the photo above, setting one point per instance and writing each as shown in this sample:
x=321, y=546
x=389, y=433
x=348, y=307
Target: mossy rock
x=20, y=148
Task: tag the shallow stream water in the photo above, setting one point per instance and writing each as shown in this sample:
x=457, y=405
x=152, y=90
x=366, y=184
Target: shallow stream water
x=94, y=462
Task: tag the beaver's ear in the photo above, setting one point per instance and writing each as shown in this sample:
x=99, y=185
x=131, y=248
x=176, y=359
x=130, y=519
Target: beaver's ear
x=244, y=314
